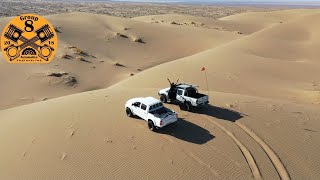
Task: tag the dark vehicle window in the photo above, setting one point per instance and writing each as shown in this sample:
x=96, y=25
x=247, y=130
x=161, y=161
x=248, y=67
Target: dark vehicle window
x=155, y=106
x=136, y=104
x=191, y=92
x=143, y=107
x=179, y=92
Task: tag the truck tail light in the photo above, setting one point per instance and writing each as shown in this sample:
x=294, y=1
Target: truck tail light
x=161, y=123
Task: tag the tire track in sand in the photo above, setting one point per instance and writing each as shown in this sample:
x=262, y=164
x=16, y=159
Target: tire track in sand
x=284, y=175
x=246, y=153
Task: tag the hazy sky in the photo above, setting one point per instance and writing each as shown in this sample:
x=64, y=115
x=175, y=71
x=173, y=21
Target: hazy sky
x=249, y=0
x=253, y=1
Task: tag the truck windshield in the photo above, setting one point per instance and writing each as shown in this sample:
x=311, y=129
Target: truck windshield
x=155, y=107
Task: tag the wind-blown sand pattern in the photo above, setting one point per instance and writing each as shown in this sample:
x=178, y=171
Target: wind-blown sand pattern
x=273, y=157
x=66, y=120
x=252, y=164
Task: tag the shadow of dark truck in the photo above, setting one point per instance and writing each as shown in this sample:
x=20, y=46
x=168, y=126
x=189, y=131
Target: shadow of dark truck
x=219, y=113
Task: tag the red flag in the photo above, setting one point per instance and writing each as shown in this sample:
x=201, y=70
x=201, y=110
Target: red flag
x=203, y=69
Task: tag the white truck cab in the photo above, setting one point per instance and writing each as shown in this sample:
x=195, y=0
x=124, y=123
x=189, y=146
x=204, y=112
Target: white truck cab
x=151, y=110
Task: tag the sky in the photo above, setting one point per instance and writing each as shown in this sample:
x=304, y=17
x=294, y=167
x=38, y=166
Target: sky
x=240, y=0
x=230, y=1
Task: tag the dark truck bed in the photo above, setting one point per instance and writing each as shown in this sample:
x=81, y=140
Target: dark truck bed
x=193, y=93
x=162, y=112
x=197, y=95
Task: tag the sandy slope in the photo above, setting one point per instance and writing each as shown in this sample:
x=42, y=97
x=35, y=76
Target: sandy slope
x=244, y=23
x=110, y=55
x=89, y=136
x=263, y=121
x=280, y=61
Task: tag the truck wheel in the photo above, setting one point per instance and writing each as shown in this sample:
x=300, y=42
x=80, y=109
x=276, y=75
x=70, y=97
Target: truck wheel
x=188, y=106
x=163, y=98
x=129, y=113
x=151, y=126
x=181, y=106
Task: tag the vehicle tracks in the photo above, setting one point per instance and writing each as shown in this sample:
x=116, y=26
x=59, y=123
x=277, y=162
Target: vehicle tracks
x=284, y=175
x=277, y=164
x=246, y=153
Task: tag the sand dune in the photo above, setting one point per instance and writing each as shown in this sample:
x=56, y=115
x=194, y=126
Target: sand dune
x=243, y=23
x=89, y=136
x=105, y=41
x=282, y=57
x=262, y=122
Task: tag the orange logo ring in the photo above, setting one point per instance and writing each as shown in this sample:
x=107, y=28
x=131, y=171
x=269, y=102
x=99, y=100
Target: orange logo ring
x=29, y=38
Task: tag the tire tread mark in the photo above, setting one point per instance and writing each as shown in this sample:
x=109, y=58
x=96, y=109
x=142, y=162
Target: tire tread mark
x=246, y=153
x=284, y=175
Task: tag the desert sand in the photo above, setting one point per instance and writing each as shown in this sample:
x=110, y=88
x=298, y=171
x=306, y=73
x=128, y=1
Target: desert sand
x=120, y=9
x=262, y=121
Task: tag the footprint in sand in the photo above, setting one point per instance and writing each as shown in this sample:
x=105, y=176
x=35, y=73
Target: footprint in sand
x=107, y=140
x=63, y=156
x=271, y=107
x=24, y=154
x=72, y=132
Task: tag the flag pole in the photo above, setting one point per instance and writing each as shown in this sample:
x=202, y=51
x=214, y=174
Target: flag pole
x=205, y=73
x=207, y=82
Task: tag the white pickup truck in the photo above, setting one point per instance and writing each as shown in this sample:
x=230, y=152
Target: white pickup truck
x=186, y=95
x=151, y=110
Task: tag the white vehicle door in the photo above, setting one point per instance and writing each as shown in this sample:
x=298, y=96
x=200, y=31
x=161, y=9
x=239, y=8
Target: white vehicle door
x=180, y=95
x=143, y=111
x=188, y=98
x=136, y=108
